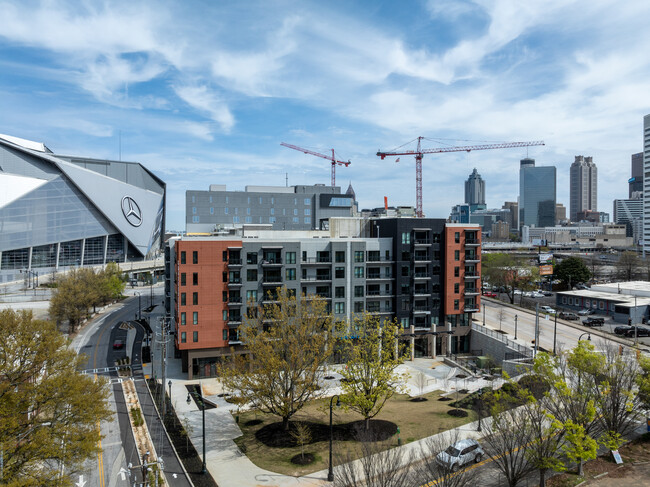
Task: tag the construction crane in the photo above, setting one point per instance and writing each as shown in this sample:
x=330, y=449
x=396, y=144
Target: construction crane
x=419, y=153
x=331, y=158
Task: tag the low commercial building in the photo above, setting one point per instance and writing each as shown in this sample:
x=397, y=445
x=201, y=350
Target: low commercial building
x=421, y=272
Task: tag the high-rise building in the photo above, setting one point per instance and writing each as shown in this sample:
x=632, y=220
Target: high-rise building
x=560, y=212
x=424, y=273
x=475, y=191
x=629, y=212
x=513, y=206
x=646, y=184
x=537, y=194
x=583, y=186
x=636, y=176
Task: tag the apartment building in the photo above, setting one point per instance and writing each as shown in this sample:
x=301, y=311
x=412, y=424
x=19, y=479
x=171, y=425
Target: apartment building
x=394, y=268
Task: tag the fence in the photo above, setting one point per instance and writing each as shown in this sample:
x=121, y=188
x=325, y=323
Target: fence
x=523, y=350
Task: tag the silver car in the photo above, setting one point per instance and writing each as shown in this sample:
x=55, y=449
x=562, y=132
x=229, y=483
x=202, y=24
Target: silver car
x=460, y=454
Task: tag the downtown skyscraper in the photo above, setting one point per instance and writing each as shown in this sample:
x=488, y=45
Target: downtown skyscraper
x=583, y=186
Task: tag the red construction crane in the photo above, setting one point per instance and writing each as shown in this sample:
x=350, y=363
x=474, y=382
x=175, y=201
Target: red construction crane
x=318, y=154
x=419, y=153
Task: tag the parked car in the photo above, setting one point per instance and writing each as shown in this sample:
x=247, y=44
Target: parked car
x=547, y=293
x=565, y=315
x=640, y=332
x=621, y=330
x=581, y=286
x=585, y=312
x=490, y=294
x=547, y=309
x=517, y=291
x=536, y=294
x=591, y=321
x=460, y=454
x=118, y=344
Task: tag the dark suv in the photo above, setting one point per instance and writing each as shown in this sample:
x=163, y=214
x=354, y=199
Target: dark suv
x=591, y=321
x=621, y=330
x=640, y=332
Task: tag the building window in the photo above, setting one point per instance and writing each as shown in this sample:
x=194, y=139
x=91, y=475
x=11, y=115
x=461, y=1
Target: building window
x=456, y=304
x=339, y=292
x=211, y=210
x=248, y=211
x=195, y=318
x=339, y=308
x=193, y=199
x=339, y=256
x=358, y=255
x=183, y=299
x=183, y=257
x=195, y=279
x=183, y=279
x=194, y=210
x=225, y=335
x=195, y=299
x=251, y=274
x=251, y=295
x=307, y=220
x=195, y=219
x=224, y=296
x=358, y=272
x=406, y=238
x=183, y=337
x=272, y=211
x=456, y=288
x=358, y=291
x=358, y=306
x=225, y=315
x=456, y=254
x=235, y=219
x=296, y=219
x=290, y=257
x=272, y=200
x=195, y=257
x=251, y=257
x=225, y=210
x=295, y=211
x=307, y=212
x=405, y=271
x=249, y=219
x=406, y=255
x=195, y=336
x=457, y=237
x=456, y=271
x=183, y=318
x=290, y=274
x=307, y=201
x=226, y=200
x=339, y=272
x=271, y=219
x=404, y=322
x=236, y=211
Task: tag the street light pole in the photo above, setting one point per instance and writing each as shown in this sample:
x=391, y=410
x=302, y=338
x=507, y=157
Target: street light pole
x=483, y=304
x=330, y=471
x=170, y=393
x=515, y=327
x=200, y=396
x=555, y=332
x=480, y=403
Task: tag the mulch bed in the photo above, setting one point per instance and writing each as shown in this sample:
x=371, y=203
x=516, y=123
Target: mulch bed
x=418, y=399
x=253, y=422
x=445, y=399
x=305, y=459
x=275, y=436
x=458, y=413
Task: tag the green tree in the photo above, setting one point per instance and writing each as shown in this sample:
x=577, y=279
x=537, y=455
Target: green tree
x=75, y=294
x=288, y=343
x=571, y=270
x=579, y=446
x=369, y=377
x=111, y=283
x=508, y=270
x=48, y=410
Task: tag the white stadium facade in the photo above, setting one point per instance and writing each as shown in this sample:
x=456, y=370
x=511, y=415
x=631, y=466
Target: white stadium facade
x=59, y=211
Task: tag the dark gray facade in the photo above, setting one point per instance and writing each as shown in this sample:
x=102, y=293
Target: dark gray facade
x=583, y=186
x=284, y=208
x=636, y=175
x=537, y=194
x=60, y=211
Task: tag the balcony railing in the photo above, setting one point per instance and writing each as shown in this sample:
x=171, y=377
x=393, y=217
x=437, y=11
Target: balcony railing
x=379, y=259
x=267, y=262
x=422, y=241
x=317, y=260
x=234, y=261
x=234, y=281
x=472, y=241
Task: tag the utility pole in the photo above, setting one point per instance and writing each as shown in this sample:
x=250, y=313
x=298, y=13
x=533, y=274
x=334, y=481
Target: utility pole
x=163, y=357
x=536, y=328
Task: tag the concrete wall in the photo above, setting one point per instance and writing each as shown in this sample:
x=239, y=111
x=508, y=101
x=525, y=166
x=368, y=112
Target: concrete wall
x=495, y=344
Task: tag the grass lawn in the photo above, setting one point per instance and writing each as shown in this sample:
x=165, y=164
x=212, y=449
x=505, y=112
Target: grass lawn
x=415, y=420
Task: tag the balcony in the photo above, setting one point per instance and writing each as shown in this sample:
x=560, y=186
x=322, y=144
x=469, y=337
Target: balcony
x=234, y=281
x=471, y=276
x=234, y=342
x=380, y=309
x=422, y=241
x=234, y=301
x=316, y=260
x=472, y=258
x=234, y=321
x=378, y=277
x=471, y=308
x=421, y=258
x=421, y=292
x=471, y=242
x=271, y=280
x=471, y=291
x=421, y=275
x=421, y=310
x=271, y=262
x=321, y=278
x=234, y=262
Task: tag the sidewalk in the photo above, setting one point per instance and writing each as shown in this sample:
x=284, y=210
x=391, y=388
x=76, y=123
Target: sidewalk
x=229, y=467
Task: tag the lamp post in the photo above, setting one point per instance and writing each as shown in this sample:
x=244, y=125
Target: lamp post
x=515, y=331
x=480, y=403
x=170, y=392
x=588, y=336
x=189, y=400
x=330, y=471
x=555, y=332
x=139, y=307
x=483, y=314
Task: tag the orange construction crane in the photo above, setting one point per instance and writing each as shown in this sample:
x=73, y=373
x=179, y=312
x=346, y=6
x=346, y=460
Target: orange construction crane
x=318, y=154
x=419, y=153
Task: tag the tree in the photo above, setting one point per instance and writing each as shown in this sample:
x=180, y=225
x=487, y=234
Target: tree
x=508, y=271
x=571, y=270
x=627, y=265
x=48, y=410
x=579, y=446
x=369, y=377
x=288, y=344
x=302, y=435
x=73, y=296
x=443, y=474
x=111, y=283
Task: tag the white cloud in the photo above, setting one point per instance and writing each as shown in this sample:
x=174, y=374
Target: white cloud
x=205, y=100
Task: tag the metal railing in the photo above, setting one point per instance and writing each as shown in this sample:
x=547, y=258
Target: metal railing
x=525, y=351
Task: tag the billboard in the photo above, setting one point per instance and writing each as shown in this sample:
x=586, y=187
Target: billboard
x=545, y=270
x=543, y=258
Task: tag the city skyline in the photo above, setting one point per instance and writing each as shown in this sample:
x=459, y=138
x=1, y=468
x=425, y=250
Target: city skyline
x=205, y=96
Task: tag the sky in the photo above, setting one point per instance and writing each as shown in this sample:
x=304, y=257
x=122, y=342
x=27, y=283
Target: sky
x=204, y=92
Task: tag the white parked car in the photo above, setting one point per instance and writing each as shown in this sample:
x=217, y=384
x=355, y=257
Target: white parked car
x=547, y=309
x=460, y=454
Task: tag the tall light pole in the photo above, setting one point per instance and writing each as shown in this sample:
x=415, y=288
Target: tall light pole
x=515, y=329
x=480, y=403
x=483, y=304
x=330, y=471
x=586, y=333
x=170, y=392
x=555, y=332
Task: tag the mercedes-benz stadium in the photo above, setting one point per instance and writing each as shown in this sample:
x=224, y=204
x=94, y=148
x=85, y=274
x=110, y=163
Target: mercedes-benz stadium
x=59, y=211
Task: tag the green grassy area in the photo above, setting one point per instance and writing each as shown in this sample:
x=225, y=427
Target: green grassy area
x=415, y=420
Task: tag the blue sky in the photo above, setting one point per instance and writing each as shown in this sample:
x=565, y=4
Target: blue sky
x=204, y=92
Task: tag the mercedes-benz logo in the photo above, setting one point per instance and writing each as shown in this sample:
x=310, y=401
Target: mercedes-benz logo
x=131, y=211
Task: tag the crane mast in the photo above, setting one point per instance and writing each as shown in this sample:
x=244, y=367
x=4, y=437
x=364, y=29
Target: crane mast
x=419, y=154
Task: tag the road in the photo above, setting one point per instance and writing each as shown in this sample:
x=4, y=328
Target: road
x=111, y=467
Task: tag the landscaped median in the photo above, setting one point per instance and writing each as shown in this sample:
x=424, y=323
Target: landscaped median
x=401, y=420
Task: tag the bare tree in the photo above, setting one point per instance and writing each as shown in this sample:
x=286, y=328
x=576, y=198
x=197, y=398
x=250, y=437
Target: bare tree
x=302, y=434
x=444, y=475
x=376, y=464
x=421, y=381
x=501, y=315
